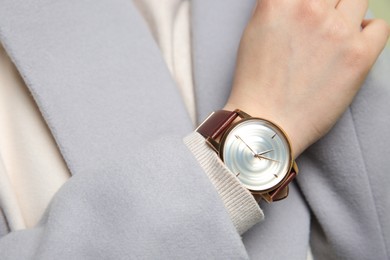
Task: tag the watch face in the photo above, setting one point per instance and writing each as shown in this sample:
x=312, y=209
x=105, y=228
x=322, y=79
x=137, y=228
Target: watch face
x=257, y=152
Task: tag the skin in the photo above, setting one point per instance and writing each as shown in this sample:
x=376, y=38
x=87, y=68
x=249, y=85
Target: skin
x=301, y=63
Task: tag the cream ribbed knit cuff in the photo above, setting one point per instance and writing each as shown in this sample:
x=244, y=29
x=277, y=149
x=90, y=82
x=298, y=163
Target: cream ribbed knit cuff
x=243, y=209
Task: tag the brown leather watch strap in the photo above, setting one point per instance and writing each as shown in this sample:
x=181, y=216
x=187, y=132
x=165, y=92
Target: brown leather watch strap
x=217, y=123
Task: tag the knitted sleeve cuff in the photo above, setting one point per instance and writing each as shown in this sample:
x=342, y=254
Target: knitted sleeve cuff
x=243, y=209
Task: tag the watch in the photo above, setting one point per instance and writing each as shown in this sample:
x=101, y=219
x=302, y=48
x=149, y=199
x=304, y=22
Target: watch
x=256, y=150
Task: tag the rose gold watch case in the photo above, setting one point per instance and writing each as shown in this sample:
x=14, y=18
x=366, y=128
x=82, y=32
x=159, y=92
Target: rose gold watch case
x=292, y=169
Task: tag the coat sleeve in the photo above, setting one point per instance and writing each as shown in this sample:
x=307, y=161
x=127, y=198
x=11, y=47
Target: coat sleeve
x=159, y=204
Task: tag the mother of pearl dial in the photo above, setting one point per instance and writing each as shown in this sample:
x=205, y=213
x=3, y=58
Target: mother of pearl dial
x=258, y=153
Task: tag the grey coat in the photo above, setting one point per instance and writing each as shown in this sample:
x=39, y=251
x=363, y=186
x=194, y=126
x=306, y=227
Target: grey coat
x=136, y=191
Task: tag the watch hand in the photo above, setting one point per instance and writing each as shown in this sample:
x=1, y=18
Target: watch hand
x=238, y=137
x=258, y=155
x=264, y=157
x=268, y=151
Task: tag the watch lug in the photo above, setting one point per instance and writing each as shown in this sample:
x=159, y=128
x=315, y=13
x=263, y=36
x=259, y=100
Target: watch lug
x=272, y=196
x=295, y=168
x=213, y=144
x=242, y=114
x=280, y=195
x=266, y=197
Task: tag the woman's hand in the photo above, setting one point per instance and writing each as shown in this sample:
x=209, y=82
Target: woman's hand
x=301, y=62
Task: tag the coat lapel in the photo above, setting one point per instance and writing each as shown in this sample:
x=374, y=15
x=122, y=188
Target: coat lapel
x=88, y=65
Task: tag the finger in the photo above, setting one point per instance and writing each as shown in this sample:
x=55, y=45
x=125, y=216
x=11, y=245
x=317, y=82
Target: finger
x=354, y=10
x=376, y=32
